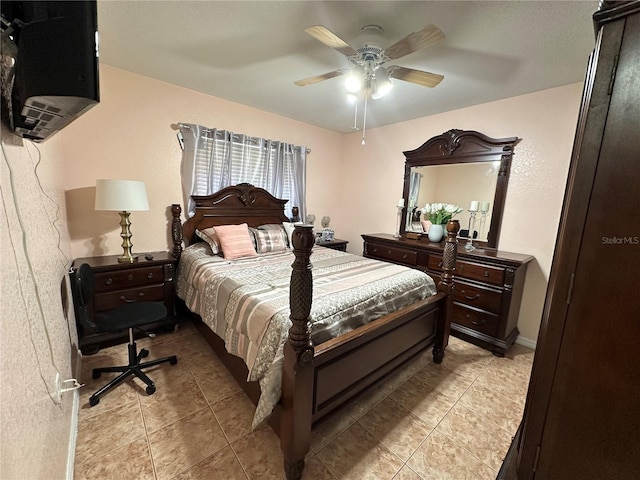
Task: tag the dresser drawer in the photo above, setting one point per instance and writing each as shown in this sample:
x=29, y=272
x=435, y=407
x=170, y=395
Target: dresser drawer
x=399, y=255
x=470, y=270
x=131, y=277
x=482, y=298
x=106, y=301
x=479, y=321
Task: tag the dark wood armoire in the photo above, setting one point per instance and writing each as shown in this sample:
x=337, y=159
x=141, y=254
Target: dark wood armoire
x=582, y=415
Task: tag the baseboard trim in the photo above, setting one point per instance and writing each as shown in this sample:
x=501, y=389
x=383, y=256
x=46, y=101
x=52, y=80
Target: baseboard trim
x=526, y=342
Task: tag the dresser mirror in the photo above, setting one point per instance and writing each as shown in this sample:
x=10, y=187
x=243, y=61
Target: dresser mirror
x=459, y=167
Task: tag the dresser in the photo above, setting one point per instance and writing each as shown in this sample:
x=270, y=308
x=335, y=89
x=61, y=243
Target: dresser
x=582, y=415
x=489, y=285
x=120, y=283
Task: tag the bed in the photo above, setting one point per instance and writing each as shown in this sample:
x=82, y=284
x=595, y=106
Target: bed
x=314, y=378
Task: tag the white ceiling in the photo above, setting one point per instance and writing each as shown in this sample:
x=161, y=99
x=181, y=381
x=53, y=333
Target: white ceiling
x=251, y=52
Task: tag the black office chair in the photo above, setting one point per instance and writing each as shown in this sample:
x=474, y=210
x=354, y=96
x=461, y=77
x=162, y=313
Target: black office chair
x=128, y=316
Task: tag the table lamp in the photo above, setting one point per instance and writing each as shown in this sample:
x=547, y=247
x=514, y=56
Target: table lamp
x=122, y=196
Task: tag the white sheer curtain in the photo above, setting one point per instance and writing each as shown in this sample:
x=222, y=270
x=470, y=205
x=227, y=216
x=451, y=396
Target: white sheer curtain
x=213, y=159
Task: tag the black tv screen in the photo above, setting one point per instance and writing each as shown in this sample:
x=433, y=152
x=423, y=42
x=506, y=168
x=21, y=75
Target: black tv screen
x=49, y=64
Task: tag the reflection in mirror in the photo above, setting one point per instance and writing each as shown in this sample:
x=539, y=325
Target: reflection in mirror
x=458, y=184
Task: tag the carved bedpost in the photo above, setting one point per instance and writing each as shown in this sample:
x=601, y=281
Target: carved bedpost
x=176, y=230
x=446, y=286
x=297, y=373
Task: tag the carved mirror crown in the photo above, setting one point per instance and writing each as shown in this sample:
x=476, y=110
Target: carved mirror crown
x=461, y=147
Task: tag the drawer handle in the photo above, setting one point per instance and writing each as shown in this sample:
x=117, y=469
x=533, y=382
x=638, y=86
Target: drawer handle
x=150, y=275
x=462, y=266
x=108, y=281
x=129, y=277
x=481, y=322
x=125, y=299
x=485, y=273
x=375, y=250
x=404, y=256
x=475, y=297
x=440, y=264
x=388, y=252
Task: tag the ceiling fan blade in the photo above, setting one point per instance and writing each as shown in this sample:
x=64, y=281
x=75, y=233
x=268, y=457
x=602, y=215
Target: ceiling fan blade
x=318, y=78
x=330, y=39
x=426, y=37
x=426, y=79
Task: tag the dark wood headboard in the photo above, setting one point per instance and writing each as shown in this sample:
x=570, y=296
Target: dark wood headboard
x=242, y=203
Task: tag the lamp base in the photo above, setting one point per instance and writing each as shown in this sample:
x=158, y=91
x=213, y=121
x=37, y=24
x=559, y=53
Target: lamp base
x=129, y=259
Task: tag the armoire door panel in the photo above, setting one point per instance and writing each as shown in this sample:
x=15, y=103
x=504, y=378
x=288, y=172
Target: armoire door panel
x=582, y=416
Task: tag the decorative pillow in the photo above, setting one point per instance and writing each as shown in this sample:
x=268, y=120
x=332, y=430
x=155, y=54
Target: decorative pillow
x=271, y=226
x=235, y=241
x=270, y=240
x=209, y=236
x=289, y=228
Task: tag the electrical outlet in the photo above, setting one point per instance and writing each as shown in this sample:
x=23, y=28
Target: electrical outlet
x=57, y=397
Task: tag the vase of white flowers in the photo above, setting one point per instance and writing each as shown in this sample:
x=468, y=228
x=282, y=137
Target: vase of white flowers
x=439, y=215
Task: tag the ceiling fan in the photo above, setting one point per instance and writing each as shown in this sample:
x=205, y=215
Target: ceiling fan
x=367, y=74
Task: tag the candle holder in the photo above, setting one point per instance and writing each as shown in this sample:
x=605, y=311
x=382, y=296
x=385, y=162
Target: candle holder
x=398, y=220
x=472, y=225
x=482, y=222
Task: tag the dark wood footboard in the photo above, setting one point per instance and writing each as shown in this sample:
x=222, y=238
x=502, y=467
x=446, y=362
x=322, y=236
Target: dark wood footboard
x=315, y=382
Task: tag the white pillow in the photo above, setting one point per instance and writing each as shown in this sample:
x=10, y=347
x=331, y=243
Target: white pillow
x=289, y=228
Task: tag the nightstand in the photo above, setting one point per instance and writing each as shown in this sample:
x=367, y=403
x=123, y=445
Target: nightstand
x=335, y=244
x=118, y=283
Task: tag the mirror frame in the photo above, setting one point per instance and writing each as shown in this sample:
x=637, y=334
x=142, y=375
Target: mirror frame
x=465, y=146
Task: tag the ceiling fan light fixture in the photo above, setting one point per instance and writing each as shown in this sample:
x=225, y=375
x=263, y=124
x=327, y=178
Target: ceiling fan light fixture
x=353, y=82
x=381, y=84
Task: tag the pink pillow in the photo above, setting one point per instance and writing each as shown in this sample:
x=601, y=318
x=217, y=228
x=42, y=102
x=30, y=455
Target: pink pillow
x=235, y=241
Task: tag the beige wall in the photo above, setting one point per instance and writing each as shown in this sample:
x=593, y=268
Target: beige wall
x=130, y=136
x=37, y=339
x=545, y=121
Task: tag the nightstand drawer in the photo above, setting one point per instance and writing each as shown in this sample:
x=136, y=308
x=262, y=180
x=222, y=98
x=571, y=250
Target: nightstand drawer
x=400, y=255
x=106, y=301
x=129, y=278
x=479, y=321
x=478, y=297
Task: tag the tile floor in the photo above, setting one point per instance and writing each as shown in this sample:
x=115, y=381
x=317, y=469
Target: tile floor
x=450, y=421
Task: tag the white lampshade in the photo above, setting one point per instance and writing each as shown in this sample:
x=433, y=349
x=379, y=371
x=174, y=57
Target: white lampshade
x=121, y=195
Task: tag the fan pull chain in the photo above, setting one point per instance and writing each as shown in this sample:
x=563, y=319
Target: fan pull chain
x=355, y=116
x=364, y=120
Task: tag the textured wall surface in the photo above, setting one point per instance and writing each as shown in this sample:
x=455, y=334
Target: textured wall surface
x=37, y=339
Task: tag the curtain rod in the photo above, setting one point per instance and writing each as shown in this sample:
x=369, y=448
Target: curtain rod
x=188, y=127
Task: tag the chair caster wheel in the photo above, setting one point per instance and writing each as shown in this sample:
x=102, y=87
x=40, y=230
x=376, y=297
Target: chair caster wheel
x=95, y=375
x=173, y=361
x=144, y=353
x=93, y=401
x=151, y=389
